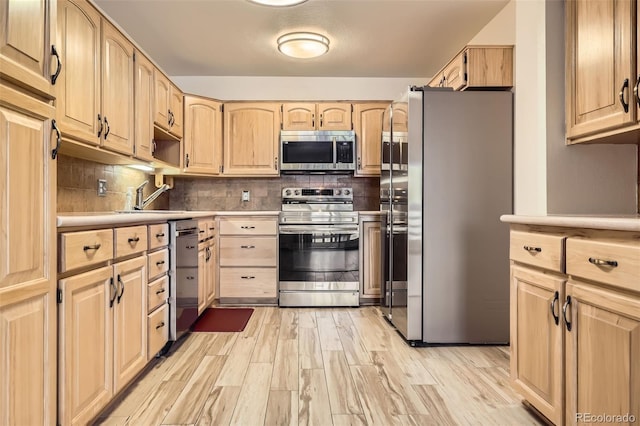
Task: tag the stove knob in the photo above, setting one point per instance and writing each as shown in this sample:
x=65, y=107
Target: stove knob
x=297, y=192
x=347, y=192
x=338, y=191
x=287, y=192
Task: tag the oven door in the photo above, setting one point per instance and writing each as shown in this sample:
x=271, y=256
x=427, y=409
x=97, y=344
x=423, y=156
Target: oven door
x=319, y=265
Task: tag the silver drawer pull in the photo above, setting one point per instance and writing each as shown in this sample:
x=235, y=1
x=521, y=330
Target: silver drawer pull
x=247, y=277
x=160, y=325
x=602, y=262
x=247, y=247
x=190, y=247
x=134, y=240
x=93, y=247
x=247, y=227
x=160, y=235
x=162, y=290
x=531, y=249
x=191, y=278
x=160, y=262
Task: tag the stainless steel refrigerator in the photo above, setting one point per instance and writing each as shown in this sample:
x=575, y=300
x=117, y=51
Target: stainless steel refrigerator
x=447, y=176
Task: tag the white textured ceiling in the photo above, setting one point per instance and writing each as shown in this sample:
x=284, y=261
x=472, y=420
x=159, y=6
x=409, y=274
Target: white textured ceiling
x=369, y=38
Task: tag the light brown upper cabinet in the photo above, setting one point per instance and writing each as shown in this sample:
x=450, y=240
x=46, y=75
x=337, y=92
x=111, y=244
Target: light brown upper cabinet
x=367, y=119
x=28, y=54
x=400, y=118
x=320, y=116
x=251, y=138
x=202, y=135
x=601, y=83
x=168, y=105
x=95, y=92
x=143, y=89
x=476, y=67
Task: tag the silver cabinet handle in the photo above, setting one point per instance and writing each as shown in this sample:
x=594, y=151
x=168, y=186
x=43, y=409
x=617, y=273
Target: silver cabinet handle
x=247, y=247
x=160, y=235
x=93, y=247
x=247, y=227
x=160, y=262
x=602, y=262
x=162, y=290
x=133, y=240
x=247, y=277
x=160, y=325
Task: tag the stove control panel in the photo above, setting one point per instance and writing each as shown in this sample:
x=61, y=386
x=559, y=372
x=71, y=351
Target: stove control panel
x=317, y=194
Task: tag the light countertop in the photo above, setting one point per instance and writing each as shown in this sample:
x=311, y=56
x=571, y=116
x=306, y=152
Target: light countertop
x=113, y=218
x=613, y=222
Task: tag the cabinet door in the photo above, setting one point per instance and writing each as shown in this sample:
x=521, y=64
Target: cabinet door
x=202, y=135
x=175, y=111
x=602, y=353
x=27, y=263
x=454, y=73
x=117, y=90
x=210, y=283
x=86, y=345
x=78, y=86
x=161, y=99
x=25, y=43
x=202, y=278
x=299, y=116
x=334, y=116
x=143, y=107
x=368, y=127
x=400, y=118
x=129, y=320
x=251, y=136
x=371, y=260
x=600, y=65
x=536, y=340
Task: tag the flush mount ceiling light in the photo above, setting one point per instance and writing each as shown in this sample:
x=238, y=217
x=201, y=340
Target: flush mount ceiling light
x=303, y=45
x=278, y=3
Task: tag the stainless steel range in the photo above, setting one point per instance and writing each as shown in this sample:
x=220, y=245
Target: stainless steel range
x=319, y=248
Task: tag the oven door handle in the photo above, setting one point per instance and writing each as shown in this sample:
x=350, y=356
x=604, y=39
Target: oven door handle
x=314, y=229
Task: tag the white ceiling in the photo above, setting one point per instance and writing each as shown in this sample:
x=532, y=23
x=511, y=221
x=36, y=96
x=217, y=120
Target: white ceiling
x=369, y=38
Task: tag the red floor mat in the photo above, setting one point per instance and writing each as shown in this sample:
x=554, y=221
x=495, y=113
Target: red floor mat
x=223, y=319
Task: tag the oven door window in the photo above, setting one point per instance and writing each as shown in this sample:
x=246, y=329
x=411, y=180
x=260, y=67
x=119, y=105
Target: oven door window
x=307, y=152
x=319, y=257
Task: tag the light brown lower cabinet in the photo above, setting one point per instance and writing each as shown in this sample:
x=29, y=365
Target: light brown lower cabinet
x=370, y=268
x=536, y=339
x=575, y=336
x=602, y=355
x=102, y=336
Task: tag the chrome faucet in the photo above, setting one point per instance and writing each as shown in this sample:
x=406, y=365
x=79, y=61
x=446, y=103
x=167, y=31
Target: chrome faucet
x=142, y=202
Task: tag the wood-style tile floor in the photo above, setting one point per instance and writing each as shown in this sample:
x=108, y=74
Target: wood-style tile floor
x=320, y=367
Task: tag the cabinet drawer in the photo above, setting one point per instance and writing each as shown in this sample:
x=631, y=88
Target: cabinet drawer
x=78, y=249
x=248, y=282
x=130, y=240
x=158, y=263
x=233, y=226
x=611, y=262
x=157, y=293
x=158, y=235
x=157, y=330
x=542, y=250
x=241, y=251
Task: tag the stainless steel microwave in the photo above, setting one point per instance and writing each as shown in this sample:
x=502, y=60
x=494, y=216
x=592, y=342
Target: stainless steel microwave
x=317, y=151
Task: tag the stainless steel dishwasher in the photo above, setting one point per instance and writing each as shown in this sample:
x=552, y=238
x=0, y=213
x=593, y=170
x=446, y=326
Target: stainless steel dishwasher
x=183, y=288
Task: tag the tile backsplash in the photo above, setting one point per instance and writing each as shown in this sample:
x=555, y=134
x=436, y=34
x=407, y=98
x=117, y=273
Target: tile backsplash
x=78, y=186
x=78, y=180
x=265, y=193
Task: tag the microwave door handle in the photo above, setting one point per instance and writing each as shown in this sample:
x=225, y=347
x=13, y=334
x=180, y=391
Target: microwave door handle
x=335, y=153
